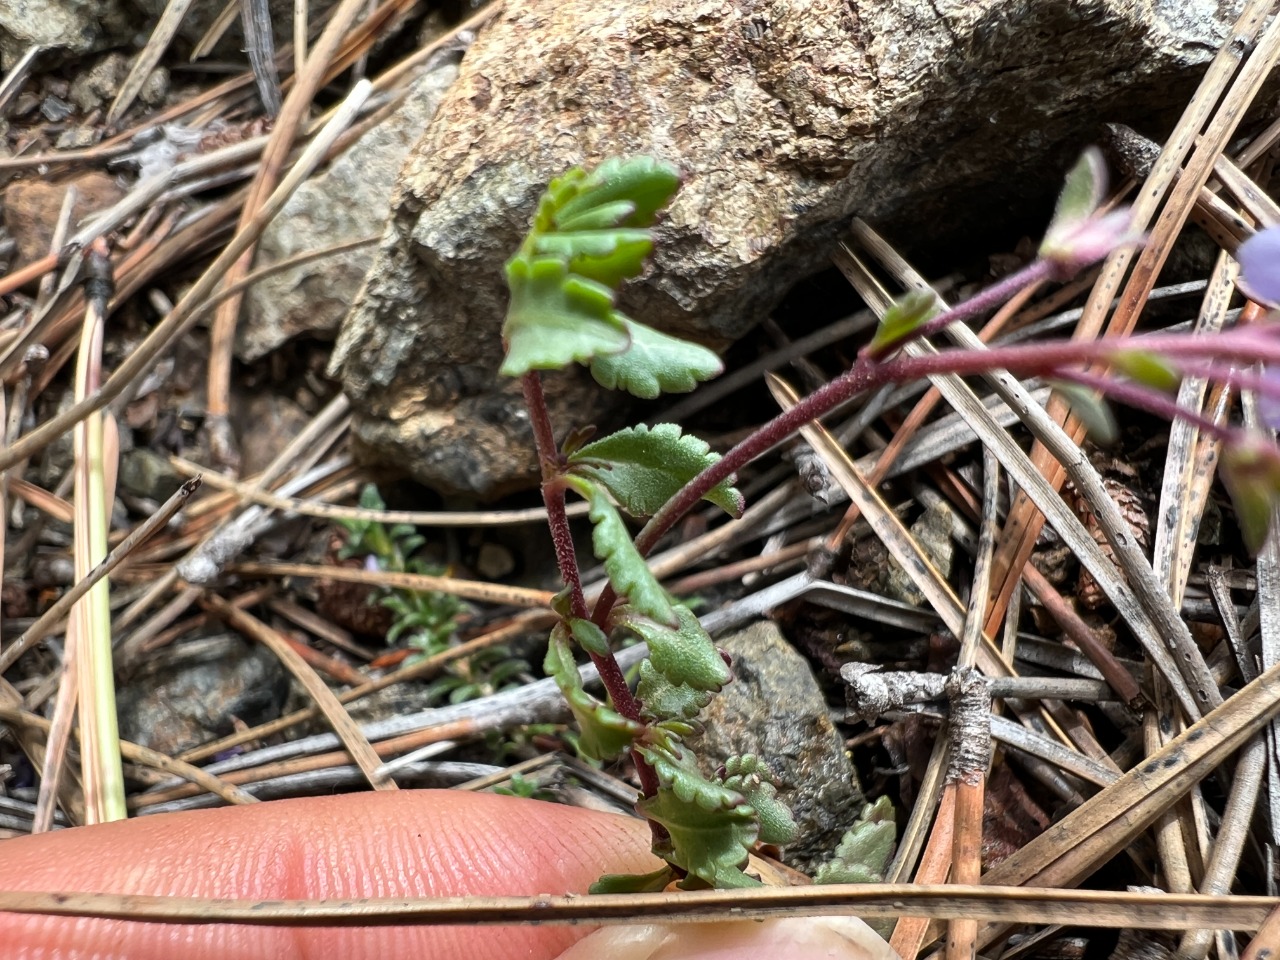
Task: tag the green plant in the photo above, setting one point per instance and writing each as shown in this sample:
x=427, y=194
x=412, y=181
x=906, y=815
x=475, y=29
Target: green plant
x=589, y=234
x=425, y=620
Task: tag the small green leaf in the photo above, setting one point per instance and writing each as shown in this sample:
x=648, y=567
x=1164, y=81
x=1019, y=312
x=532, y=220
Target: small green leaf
x=644, y=467
x=1251, y=473
x=606, y=256
x=660, y=699
x=750, y=776
x=644, y=183
x=684, y=654
x=654, y=363
x=710, y=827
x=605, y=733
x=556, y=318
x=1091, y=409
x=908, y=312
x=866, y=848
x=628, y=573
x=590, y=637
x=1147, y=368
x=1082, y=192
x=634, y=883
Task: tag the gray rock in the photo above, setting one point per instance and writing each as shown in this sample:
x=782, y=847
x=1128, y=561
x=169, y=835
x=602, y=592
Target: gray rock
x=773, y=708
x=190, y=695
x=69, y=26
x=785, y=117
x=100, y=82
x=146, y=473
x=346, y=202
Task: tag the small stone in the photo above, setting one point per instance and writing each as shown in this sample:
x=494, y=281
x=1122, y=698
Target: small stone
x=100, y=83
x=77, y=138
x=774, y=709
x=74, y=26
x=31, y=208
x=145, y=473
x=264, y=424
x=155, y=89
x=195, y=692
x=932, y=531
x=494, y=561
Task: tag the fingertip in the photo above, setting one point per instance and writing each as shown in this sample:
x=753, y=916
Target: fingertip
x=792, y=938
x=413, y=843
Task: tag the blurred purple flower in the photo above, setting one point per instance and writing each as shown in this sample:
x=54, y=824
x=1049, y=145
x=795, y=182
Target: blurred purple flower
x=1259, y=258
x=1075, y=244
x=1269, y=399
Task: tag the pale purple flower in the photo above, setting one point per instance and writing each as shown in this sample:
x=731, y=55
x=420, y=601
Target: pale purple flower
x=1259, y=258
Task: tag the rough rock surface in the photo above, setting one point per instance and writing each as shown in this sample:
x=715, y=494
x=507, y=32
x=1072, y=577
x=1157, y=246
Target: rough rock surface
x=346, y=202
x=31, y=208
x=72, y=26
x=774, y=708
x=196, y=692
x=785, y=116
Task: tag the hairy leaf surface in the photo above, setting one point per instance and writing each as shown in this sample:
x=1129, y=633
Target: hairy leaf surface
x=655, y=363
x=684, y=653
x=605, y=732
x=626, y=569
x=644, y=467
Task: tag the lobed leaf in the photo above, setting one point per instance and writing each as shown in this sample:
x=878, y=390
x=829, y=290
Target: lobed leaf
x=644, y=467
x=660, y=699
x=710, y=827
x=654, y=363
x=605, y=256
x=605, y=733
x=628, y=573
x=588, y=235
x=682, y=653
x=556, y=318
x=644, y=183
x=751, y=777
x=866, y=848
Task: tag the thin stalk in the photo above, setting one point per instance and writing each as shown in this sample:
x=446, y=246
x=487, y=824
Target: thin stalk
x=94, y=489
x=988, y=299
x=566, y=556
x=1033, y=359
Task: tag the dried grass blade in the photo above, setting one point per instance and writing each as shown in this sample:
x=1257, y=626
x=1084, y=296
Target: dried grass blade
x=1189, y=465
x=1158, y=621
x=1076, y=908
x=260, y=44
x=182, y=317
x=348, y=730
x=902, y=546
x=1022, y=526
x=53, y=616
x=166, y=28
x=94, y=492
x=289, y=123
x=1087, y=837
x=467, y=589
